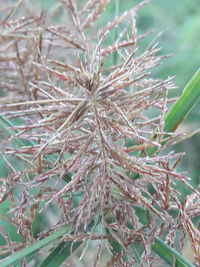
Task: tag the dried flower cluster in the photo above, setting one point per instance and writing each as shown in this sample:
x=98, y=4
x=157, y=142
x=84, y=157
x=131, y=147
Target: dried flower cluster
x=72, y=115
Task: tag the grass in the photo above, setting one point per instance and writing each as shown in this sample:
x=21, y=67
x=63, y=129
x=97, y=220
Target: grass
x=65, y=126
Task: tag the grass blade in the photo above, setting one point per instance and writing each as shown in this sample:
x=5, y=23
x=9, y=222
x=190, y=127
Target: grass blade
x=169, y=255
x=60, y=254
x=164, y=251
x=33, y=248
x=64, y=249
x=183, y=105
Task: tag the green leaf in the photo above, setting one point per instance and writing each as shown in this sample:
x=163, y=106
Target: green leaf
x=169, y=254
x=135, y=253
x=164, y=251
x=33, y=248
x=64, y=249
x=183, y=105
x=60, y=254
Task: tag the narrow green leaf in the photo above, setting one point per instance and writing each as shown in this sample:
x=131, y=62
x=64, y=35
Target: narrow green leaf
x=64, y=249
x=169, y=254
x=60, y=254
x=183, y=105
x=135, y=253
x=33, y=248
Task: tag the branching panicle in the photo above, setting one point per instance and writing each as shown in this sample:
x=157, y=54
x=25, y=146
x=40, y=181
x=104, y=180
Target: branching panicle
x=77, y=114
